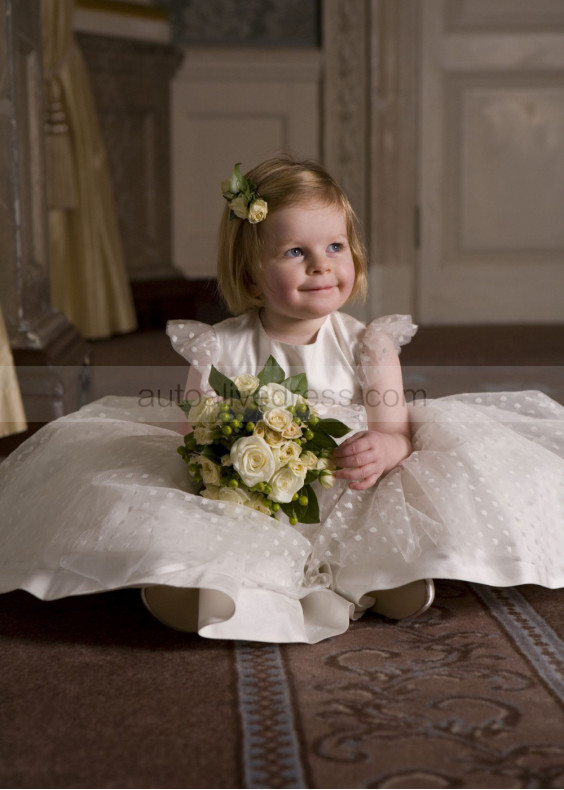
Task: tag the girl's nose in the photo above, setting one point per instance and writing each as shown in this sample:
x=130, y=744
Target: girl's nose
x=318, y=263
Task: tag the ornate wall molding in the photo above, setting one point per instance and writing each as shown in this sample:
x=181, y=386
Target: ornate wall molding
x=346, y=33
x=370, y=124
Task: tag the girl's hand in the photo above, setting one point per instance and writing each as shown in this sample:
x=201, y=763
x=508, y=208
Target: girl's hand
x=366, y=456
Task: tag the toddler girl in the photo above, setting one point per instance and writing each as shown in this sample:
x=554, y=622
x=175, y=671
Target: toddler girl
x=468, y=487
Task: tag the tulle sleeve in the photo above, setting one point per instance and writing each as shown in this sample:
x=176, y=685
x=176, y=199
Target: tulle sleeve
x=399, y=328
x=198, y=344
x=193, y=340
x=380, y=344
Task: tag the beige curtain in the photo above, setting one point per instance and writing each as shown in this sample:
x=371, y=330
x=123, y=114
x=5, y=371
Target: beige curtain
x=12, y=417
x=88, y=275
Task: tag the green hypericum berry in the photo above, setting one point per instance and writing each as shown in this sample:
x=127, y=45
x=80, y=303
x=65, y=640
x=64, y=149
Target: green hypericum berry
x=235, y=425
x=224, y=406
x=250, y=427
x=225, y=416
x=233, y=483
x=303, y=500
x=295, y=497
x=267, y=489
x=301, y=409
x=227, y=430
x=291, y=409
x=308, y=435
x=293, y=520
x=275, y=507
x=313, y=419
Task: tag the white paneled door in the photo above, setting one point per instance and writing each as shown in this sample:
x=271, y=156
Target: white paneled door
x=492, y=161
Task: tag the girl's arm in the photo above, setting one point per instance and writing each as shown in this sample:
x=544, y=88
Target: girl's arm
x=364, y=457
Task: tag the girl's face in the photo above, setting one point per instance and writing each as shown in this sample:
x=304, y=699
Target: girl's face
x=307, y=270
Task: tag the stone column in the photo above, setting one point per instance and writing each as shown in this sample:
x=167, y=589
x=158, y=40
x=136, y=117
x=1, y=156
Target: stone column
x=48, y=351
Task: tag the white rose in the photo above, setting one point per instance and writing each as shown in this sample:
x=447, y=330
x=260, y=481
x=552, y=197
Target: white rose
x=289, y=451
x=203, y=434
x=310, y=459
x=284, y=484
x=237, y=495
x=273, y=438
x=299, y=467
x=246, y=384
x=253, y=459
x=326, y=463
x=210, y=471
x=327, y=478
x=272, y=395
x=258, y=502
x=257, y=211
x=278, y=418
x=239, y=206
x=292, y=431
x=210, y=492
x=204, y=411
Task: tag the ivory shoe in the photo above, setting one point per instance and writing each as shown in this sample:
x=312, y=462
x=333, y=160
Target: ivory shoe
x=176, y=607
x=408, y=600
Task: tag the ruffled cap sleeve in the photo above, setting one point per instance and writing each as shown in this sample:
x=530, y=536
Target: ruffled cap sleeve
x=193, y=340
x=398, y=328
x=380, y=338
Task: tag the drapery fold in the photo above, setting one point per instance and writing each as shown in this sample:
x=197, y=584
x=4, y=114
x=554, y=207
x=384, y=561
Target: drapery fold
x=88, y=274
x=12, y=416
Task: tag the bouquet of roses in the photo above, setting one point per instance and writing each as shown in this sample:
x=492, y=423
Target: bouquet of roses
x=260, y=443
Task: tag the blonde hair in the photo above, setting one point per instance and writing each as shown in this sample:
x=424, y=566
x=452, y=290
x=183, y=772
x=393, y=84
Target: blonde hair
x=282, y=182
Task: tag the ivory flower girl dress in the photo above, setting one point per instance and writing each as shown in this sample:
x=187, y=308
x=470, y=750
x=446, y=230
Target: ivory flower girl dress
x=100, y=499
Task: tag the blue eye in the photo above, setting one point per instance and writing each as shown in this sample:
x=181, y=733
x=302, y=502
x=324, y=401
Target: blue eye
x=295, y=252
x=336, y=247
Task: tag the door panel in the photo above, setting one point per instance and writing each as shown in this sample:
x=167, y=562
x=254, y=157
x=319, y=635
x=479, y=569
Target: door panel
x=492, y=162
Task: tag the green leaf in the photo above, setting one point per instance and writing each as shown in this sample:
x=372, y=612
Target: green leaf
x=306, y=514
x=323, y=440
x=297, y=384
x=332, y=427
x=272, y=373
x=224, y=387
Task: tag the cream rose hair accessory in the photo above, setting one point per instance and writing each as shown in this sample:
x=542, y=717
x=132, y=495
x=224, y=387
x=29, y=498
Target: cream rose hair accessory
x=243, y=198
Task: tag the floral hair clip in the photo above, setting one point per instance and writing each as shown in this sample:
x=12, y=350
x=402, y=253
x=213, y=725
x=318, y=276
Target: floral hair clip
x=243, y=198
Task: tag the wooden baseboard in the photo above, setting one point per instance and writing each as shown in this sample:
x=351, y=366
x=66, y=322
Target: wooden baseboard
x=159, y=301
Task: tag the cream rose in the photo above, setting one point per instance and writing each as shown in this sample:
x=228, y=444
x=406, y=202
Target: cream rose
x=204, y=411
x=327, y=478
x=237, y=495
x=272, y=395
x=257, y=211
x=299, y=467
x=289, y=451
x=278, y=419
x=210, y=492
x=246, y=384
x=285, y=483
x=253, y=459
x=258, y=502
x=203, y=434
x=292, y=431
x=210, y=471
x=239, y=206
x=310, y=459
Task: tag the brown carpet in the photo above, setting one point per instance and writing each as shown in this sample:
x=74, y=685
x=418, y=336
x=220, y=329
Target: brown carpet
x=95, y=693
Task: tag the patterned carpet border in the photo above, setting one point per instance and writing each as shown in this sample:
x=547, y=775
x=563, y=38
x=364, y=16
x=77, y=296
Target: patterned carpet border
x=535, y=638
x=270, y=742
